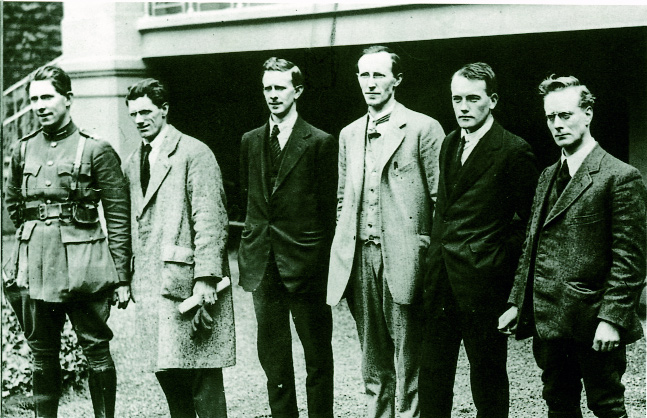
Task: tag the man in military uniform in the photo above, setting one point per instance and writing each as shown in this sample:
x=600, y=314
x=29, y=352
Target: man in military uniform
x=63, y=263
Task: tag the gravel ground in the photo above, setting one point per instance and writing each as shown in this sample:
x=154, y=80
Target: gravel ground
x=139, y=394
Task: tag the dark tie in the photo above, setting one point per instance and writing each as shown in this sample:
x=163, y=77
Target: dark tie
x=372, y=130
x=145, y=167
x=563, y=177
x=459, y=153
x=275, y=147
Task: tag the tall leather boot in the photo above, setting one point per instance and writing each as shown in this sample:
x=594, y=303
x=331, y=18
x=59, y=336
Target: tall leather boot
x=103, y=391
x=46, y=386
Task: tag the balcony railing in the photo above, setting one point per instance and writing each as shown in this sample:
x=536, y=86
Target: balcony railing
x=158, y=8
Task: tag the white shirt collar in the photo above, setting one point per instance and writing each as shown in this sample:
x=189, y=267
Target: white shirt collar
x=473, y=137
x=285, y=127
x=156, y=144
x=157, y=141
x=385, y=111
x=576, y=159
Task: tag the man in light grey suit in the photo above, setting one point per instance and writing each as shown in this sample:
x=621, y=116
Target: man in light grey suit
x=388, y=173
x=179, y=233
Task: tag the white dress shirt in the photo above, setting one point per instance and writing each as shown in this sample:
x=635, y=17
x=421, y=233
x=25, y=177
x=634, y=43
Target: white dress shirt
x=576, y=159
x=285, y=128
x=156, y=144
x=473, y=138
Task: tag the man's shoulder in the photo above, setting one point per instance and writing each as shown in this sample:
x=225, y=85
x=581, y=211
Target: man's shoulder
x=314, y=131
x=256, y=131
x=613, y=166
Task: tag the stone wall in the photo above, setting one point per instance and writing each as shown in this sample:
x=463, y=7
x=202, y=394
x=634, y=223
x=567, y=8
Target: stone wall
x=32, y=37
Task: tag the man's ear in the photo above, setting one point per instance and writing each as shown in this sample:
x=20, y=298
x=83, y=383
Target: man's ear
x=398, y=79
x=298, y=90
x=69, y=98
x=494, y=99
x=164, y=109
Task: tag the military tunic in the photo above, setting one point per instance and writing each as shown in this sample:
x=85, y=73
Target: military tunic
x=59, y=259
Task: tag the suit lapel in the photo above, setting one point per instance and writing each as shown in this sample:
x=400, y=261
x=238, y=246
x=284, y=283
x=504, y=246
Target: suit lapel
x=261, y=149
x=356, y=148
x=294, y=149
x=162, y=165
x=578, y=184
x=480, y=159
x=393, y=135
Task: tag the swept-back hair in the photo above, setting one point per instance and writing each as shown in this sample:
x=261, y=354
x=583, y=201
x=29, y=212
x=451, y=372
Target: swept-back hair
x=59, y=79
x=150, y=87
x=283, y=65
x=479, y=71
x=396, y=62
x=552, y=83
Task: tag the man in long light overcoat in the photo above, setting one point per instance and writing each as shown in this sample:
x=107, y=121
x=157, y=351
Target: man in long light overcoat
x=179, y=233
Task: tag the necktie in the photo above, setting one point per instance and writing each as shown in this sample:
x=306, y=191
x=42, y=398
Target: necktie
x=145, y=167
x=563, y=177
x=372, y=130
x=275, y=147
x=459, y=153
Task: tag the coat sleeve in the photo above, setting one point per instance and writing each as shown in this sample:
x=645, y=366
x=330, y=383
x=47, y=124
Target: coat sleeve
x=431, y=140
x=244, y=171
x=626, y=276
x=209, y=221
x=522, y=173
x=327, y=172
x=115, y=199
x=12, y=187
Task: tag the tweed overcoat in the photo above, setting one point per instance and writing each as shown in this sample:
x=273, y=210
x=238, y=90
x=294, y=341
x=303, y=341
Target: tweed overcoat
x=586, y=261
x=408, y=170
x=479, y=223
x=179, y=233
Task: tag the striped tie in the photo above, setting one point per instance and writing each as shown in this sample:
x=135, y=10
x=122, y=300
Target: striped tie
x=275, y=147
x=372, y=130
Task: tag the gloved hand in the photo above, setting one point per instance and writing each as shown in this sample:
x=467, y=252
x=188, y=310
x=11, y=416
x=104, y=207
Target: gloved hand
x=202, y=323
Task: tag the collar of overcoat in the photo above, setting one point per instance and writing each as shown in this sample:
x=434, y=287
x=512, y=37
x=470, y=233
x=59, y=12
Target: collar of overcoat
x=480, y=159
x=393, y=136
x=162, y=165
x=579, y=183
x=294, y=148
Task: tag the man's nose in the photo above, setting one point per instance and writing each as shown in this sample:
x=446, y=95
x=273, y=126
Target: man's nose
x=463, y=107
x=139, y=119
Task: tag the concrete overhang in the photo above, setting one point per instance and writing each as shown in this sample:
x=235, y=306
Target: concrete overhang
x=292, y=26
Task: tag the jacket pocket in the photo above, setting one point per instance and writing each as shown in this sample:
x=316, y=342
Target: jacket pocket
x=90, y=267
x=177, y=271
x=586, y=219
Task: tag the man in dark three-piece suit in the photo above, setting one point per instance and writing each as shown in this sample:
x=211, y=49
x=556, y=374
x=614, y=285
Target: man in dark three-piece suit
x=583, y=264
x=487, y=178
x=289, y=178
x=388, y=172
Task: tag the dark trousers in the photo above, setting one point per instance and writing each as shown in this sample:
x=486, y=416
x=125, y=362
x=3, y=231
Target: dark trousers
x=194, y=391
x=312, y=318
x=486, y=350
x=565, y=364
x=42, y=323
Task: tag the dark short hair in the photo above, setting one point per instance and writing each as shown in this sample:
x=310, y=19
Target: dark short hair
x=553, y=83
x=479, y=71
x=150, y=87
x=396, y=62
x=59, y=79
x=283, y=65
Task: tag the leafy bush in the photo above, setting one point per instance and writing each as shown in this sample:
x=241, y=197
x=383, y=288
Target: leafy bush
x=16, y=357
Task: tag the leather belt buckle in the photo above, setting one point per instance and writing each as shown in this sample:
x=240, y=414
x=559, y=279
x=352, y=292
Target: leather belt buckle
x=42, y=211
